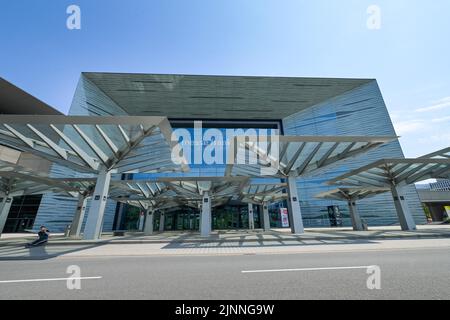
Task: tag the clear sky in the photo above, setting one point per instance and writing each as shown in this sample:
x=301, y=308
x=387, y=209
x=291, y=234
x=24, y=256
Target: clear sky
x=409, y=55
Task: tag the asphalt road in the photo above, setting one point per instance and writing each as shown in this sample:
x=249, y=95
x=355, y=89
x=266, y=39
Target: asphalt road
x=405, y=274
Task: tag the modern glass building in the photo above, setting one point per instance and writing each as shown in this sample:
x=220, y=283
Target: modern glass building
x=290, y=106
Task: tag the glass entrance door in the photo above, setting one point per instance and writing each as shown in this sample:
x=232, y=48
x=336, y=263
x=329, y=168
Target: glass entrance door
x=179, y=221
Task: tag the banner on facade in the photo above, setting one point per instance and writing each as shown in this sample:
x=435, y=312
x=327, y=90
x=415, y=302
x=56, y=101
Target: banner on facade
x=284, y=217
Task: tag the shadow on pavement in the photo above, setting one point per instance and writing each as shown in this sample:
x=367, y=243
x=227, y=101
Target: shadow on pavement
x=259, y=241
x=20, y=252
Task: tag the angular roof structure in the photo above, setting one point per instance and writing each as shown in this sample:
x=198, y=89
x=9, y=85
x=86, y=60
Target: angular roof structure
x=14, y=100
x=295, y=155
x=260, y=193
x=90, y=144
x=20, y=184
x=188, y=191
x=443, y=154
x=12, y=160
x=351, y=194
x=185, y=190
x=214, y=97
x=388, y=172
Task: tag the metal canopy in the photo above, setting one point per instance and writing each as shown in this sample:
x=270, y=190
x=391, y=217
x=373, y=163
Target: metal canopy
x=140, y=193
x=164, y=204
x=90, y=144
x=351, y=194
x=20, y=184
x=18, y=180
x=389, y=172
x=119, y=187
x=186, y=191
x=296, y=155
x=7, y=167
x=157, y=193
x=27, y=183
x=441, y=154
x=259, y=193
x=23, y=162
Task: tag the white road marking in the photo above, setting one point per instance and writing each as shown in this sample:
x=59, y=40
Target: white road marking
x=46, y=280
x=306, y=269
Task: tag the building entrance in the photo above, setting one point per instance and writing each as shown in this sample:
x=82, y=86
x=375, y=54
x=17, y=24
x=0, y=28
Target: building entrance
x=179, y=221
x=228, y=217
x=234, y=217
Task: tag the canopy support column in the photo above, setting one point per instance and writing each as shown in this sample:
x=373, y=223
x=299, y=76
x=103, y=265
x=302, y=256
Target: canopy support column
x=205, y=217
x=266, y=217
x=94, y=222
x=77, y=221
x=401, y=205
x=5, y=205
x=162, y=218
x=354, y=215
x=251, y=217
x=148, y=227
x=295, y=213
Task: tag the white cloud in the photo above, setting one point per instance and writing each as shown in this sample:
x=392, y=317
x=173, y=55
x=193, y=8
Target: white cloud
x=404, y=127
x=437, y=105
x=440, y=120
x=441, y=137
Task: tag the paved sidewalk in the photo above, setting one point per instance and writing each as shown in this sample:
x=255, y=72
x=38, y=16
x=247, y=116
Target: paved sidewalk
x=279, y=241
x=239, y=237
x=94, y=251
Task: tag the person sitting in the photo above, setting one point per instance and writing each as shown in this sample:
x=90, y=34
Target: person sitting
x=42, y=237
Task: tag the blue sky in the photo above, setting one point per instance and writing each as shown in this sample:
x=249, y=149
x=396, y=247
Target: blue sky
x=409, y=55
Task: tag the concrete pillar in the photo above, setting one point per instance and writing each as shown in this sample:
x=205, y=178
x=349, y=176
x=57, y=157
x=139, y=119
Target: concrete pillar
x=148, y=227
x=354, y=215
x=401, y=205
x=205, y=217
x=266, y=217
x=162, y=221
x=94, y=223
x=5, y=205
x=295, y=213
x=251, y=217
x=77, y=221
